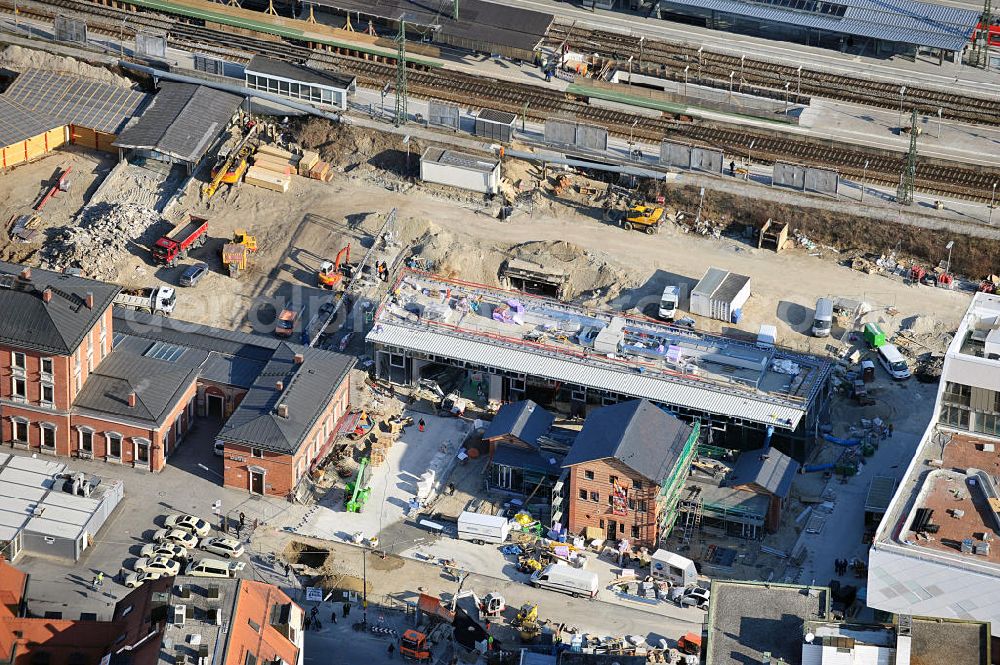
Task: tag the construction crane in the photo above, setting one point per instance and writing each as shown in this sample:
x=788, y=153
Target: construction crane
x=330, y=274
x=907, y=179
x=231, y=167
x=358, y=488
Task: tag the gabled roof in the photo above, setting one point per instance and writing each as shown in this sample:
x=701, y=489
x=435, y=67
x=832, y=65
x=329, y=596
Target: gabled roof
x=303, y=386
x=18, y=123
x=157, y=384
x=182, y=121
x=55, y=327
x=638, y=434
x=773, y=471
x=522, y=420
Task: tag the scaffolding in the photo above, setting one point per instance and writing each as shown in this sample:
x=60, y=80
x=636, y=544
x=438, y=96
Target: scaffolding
x=670, y=491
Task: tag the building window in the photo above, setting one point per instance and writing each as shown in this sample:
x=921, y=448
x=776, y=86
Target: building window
x=987, y=423
x=631, y=504
x=45, y=365
x=595, y=497
x=254, y=626
x=141, y=451
x=47, y=397
x=19, y=430
x=612, y=479
x=956, y=393
x=637, y=485
x=256, y=452
x=114, y=442
x=601, y=524
x=86, y=441
x=78, y=379
x=589, y=475
x=17, y=360
x=621, y=527
x=635, y=532
x=640, y=506
x=583, y=495
x=18, y=389
x=955, y=416
x=48, y=436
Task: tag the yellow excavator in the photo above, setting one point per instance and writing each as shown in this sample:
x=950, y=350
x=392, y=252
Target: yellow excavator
x=526, y=622
x=644, y=218
x=236, y=253
x=231, y=165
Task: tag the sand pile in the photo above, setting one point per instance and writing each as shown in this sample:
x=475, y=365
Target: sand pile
x=22, y=59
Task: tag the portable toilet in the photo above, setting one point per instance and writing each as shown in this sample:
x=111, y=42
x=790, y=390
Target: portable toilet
x=873, y=335
x=674, y=568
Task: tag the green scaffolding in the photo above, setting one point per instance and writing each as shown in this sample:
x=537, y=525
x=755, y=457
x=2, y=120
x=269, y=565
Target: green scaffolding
x=670, y=491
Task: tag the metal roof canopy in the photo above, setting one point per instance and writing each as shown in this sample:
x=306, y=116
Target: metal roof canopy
x=711, y=399
x=901, y=21
x=18, y=123
x=72, y=100
x=460, y=160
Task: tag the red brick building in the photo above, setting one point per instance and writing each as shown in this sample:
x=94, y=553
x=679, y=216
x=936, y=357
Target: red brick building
x=626, y=468
x=79, y=379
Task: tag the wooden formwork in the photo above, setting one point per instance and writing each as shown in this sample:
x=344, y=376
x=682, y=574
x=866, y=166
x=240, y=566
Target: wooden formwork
x=32, y=148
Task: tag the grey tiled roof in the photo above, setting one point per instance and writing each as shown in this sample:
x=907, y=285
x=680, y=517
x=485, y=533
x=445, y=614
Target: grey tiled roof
x=306, y=387
x=58, y=326
x=196, y=336
x=773, y=472
x=522, y=420
x=640, y=435
x=158, y=385
x=182, y=121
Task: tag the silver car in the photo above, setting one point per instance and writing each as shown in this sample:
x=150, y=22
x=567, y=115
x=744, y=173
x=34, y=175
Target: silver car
x=227, y=547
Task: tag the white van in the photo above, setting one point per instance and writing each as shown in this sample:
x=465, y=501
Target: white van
x=482, y=529
x=567, y=579
x=823, y=318
x=893, y=361
x=213, y=568
x=669, y=302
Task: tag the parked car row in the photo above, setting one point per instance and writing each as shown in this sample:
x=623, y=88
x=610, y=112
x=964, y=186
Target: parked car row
x=171, y=552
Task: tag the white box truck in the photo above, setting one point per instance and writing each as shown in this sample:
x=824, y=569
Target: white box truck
x=560, y=577
x=480, y=528
x=674, y=568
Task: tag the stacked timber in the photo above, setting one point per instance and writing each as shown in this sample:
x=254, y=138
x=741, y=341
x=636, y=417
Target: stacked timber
x=308, y=160
x=272, y=168
x=261, y=177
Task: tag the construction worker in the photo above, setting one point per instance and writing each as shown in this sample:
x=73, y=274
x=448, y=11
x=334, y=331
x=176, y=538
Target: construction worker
x=100, y=578
x=420, y=425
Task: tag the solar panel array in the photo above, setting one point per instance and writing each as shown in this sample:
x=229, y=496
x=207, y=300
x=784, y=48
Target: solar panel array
x=77, y=101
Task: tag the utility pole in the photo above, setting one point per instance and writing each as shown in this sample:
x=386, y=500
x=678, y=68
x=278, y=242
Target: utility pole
x=981, y=44
x=904, y=194
x=401, y=113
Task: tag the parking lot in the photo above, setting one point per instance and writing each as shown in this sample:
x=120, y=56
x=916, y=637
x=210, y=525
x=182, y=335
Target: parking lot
x=190, y=483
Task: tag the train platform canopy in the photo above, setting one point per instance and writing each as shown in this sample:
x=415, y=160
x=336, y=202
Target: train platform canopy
x=480, y=26
x=182, y=123
x=909, y=22
x=72, y=100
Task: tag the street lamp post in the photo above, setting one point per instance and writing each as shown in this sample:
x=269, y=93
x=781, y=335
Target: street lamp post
x=993, y=199
x=631, y=136
x=787, y=85
x=701, y=52
x=951, y=243
x=902, y=92
x=731, y=75
x=798, y=85
x=701, y=201
x=749, y=161
x=939, y=122
x=642, y=42
x=864, y=179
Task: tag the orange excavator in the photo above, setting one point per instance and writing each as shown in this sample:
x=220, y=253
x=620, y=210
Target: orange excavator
x=330, y=274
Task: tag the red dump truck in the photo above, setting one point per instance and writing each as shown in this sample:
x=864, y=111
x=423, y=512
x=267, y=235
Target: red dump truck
x=184, y=237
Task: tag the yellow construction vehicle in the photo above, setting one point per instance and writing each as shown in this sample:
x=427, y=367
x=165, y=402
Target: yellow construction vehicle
x=644, y=218
x=526, y=622
x=231, y=165
x=236, y=254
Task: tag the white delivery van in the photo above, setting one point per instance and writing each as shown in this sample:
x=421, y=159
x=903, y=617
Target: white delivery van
x=669, y=302
x=213, y=568
x=559, y=577
x=893, y=361
x=674, y=568
x=481, y=528
x=823, y=318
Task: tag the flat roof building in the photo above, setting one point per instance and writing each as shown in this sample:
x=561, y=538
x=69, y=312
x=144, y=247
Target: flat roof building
x=460, y=169
x=298, y=82
x=933, y=553
x=572, y=358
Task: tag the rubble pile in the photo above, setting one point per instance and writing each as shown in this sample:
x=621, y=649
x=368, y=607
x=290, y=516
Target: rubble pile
x=102, y=235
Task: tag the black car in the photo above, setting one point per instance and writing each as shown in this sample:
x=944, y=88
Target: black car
x=193, y=274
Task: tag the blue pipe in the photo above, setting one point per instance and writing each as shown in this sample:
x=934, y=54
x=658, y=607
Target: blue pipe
x=767, y=439
x=841, y=442
x=812, y=468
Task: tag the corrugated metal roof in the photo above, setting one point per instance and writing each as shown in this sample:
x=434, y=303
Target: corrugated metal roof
x=462, y=160
x=78, y=101
x=902, y=21
x=712, y=399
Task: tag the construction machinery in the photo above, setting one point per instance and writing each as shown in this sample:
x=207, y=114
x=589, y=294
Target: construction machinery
x=236, y=253
x=526, y=622
x=492, y=605
x=644, y=218
x=689, y=643
x=180, y=241
x=331, y=274
x=231, y=165
x=358, y=489
x=413, y=646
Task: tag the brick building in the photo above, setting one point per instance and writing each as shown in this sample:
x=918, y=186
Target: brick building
x=80, y=379
x=626, y=469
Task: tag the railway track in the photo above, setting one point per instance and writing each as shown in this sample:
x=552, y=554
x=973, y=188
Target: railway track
x=948, y=179
x=669, y=60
